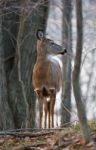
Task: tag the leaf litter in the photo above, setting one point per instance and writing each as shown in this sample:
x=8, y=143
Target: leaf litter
x=64, y=139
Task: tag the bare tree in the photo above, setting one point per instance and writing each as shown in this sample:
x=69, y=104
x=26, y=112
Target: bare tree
x=40, y=22
x=76, y=73
x=10, y=24
x=66, y=41
x=21, y=19
x=6, y=117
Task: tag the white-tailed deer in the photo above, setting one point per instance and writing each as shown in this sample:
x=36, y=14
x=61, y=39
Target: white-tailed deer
x=46, y=77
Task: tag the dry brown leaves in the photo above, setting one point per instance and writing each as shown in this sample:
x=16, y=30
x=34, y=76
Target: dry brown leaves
x=56, y=140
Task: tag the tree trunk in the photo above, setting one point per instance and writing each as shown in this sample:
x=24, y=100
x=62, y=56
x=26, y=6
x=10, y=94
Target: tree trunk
x=27, y=36
x=76, y=73
x=6, y=117
x=66, y=41
x=19, y=43
x=10, y=30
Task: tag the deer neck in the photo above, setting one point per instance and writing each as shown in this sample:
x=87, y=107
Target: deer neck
x=42, y=55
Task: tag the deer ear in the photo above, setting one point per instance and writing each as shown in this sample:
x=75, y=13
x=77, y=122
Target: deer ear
x=40, y=34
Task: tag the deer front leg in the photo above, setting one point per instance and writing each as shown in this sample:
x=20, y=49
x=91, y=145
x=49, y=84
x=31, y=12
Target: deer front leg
x=45, y=111
x=40, y=102
x=48, y=111
x=52, y=112
x=40, y=113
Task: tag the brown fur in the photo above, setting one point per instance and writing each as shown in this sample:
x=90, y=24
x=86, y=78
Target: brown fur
x=46, y=82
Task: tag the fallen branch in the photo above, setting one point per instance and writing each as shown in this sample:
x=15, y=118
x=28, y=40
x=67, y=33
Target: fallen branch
x=33, y=132
x=26, y=134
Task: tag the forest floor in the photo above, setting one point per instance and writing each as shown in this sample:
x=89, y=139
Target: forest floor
x=69, y=138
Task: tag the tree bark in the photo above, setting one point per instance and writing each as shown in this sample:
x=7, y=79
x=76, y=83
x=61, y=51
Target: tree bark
x=40, y=19
x=66, y=41
x=26, y=44
x=6, y=117
x=19, y=43
x=76, y=73
x=10, y=30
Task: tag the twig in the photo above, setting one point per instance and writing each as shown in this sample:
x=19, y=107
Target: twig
x=9, y=57
x=34, y=146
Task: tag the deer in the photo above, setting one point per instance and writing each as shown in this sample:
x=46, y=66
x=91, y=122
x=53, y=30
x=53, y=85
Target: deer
x=47, y=77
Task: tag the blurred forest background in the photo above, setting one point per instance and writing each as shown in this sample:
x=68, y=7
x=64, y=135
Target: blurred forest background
x=68, y=22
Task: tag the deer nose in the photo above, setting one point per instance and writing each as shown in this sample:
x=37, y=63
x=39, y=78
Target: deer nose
x=65, y=51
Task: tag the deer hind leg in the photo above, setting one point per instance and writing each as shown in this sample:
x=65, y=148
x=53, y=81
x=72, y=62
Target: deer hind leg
x=40, y=113
x=52, y=104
